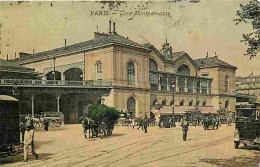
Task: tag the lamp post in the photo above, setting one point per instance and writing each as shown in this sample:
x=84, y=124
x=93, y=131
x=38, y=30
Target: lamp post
x=54, y=76
x=173, y=86
x=173, y=119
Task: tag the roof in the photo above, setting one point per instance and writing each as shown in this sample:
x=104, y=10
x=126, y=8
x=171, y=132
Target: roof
x=13, y=67
x=213, y=62
x=100, y=40
x=178, y=55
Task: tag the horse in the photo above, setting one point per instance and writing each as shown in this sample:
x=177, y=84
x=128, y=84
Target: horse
x=88, y=125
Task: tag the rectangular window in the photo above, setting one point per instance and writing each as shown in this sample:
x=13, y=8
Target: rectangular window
x=205, y=74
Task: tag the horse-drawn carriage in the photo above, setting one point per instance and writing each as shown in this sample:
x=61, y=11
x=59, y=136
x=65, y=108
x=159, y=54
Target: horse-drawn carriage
x=210, y=121
x=9, y=125
x=194, y=117
x=54, y=119
x=98, y=120
x=125, y=119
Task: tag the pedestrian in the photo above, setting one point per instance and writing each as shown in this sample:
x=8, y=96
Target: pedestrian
x=140, y=123
x=46, y=125
x=29, y=142
x=160, y=122
x=133, y=123
x=23, y=128
x=145, y=123
x=184, y=125
x=229, y=121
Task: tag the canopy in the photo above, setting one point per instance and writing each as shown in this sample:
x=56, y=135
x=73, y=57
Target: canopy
x=183, y=109
x=7, y=98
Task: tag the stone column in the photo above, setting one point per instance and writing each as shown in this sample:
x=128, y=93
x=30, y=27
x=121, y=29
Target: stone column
x=63, y=78
x=185, y=84
x=168, y=86
x=32, y=97
x=200, y=87
x=58, y=103
x=159, y=82
x=194, y=86
x=208, y=87
x=176, y=84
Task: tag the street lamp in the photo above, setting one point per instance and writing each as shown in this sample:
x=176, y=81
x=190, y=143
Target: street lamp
x=54, y=77
x=173, y=119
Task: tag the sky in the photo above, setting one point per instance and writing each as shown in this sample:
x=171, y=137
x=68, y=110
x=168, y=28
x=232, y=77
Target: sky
x=196, y=28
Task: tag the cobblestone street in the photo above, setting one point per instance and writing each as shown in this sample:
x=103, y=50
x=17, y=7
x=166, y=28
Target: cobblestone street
x=66, y=146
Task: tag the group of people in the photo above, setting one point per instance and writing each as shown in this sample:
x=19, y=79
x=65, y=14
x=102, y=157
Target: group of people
x=142, y=123
x=27, y=130
x=167, y=122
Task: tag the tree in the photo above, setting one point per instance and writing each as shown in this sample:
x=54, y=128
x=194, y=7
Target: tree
x=103, y=112
x=250, y=13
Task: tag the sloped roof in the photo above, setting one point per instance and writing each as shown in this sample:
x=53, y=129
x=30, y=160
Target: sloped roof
x=178, y=55
x=11, y=66
x=213, y=62
x=150, y=46
x=102, y=39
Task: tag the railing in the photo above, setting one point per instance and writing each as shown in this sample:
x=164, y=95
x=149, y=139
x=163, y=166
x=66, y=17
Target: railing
x=89, y=83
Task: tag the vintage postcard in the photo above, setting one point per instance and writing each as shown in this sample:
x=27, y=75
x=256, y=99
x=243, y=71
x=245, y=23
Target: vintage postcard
x=130, y=83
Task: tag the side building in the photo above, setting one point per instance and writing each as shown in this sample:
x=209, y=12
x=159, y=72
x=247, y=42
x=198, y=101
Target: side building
x=249, y=85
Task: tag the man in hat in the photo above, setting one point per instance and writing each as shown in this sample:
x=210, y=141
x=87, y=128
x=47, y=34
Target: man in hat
x=28, y=142
x=184, y=124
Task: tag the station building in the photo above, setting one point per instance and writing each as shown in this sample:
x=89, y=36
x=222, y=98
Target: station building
x=124, y=74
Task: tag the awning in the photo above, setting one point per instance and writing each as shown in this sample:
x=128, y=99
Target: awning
x=166, y=110
x=7, y=98
x=207, y=109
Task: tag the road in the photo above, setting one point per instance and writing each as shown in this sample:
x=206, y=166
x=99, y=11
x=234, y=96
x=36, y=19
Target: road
x=127, y=147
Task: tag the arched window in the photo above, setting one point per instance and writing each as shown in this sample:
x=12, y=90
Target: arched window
x=183, y=70
x=73, y=74
x=152, y=65
x=204, y=103
x=226, y=104
x=130, y=73
x=99, y=67
x=99, y=70
x=131, y=106
x=190, y=103
x=164, y=103
x=226, y=83
x=197, y=103
x=182, y=103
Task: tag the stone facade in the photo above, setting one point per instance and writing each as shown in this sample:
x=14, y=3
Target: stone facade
x=249, y=85
x=141, y=75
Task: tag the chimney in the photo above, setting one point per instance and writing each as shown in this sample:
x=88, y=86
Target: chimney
x=109, y=26
x=216, y=55
x=7, y=57
x=114, y=28
x=65, y=42
x=207, y=55
x=15, y=55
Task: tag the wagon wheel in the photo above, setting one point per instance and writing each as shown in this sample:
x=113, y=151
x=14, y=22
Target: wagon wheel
x=236, y=144
x=52, y=123
x=57, y=123
x=12, y=151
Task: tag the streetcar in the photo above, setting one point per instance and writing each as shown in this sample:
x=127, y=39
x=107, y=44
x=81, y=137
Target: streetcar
x=9, y=125
x=247, y=125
